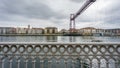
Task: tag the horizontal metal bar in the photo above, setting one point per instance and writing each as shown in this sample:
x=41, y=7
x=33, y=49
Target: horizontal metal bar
x=56, y=55
x=59, y=43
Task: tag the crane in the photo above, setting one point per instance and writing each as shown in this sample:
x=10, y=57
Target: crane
x=74, y=16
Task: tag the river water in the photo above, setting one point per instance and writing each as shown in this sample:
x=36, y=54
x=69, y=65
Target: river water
x=59, y=38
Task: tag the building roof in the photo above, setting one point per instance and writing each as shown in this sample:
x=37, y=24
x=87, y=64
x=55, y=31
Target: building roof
x=51, y=28
x=88, y=28
x=38, y=28
x=6, y=27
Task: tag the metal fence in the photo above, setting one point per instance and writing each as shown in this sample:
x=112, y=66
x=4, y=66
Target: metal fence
x=59, y=55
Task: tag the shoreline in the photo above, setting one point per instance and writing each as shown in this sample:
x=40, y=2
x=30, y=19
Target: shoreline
x=48, y=35
x=31, y=34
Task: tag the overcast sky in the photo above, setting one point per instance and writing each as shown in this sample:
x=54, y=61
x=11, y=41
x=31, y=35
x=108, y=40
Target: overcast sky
x=55, y=13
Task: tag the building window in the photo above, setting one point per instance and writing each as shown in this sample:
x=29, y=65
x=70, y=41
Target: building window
x=53, y=30
x=47, y=30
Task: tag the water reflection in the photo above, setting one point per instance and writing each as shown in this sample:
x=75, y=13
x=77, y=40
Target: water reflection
x=58, y=39
x=51, y=38
x=72, y=39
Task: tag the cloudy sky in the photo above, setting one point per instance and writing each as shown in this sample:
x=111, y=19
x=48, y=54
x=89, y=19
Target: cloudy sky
x=55, y=13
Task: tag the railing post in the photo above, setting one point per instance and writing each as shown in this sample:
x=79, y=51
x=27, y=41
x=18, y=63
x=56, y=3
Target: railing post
x=81, y=64
x=98, y=64
x=116, y=64
x=26, y=61
x=90, y=64
x=33, y=63
x=49, y=64
x=73, y=64
x=10, y=61
x=42, y=65
x=65, y=64
x=1, y=62
x=18, y=64
x=57, y=64
x=107, y=64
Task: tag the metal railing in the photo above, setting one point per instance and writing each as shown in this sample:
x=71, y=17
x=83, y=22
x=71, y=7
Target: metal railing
x=59, y=55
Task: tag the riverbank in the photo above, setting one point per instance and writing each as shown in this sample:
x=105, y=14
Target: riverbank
x=31, y=34
x=50, y=35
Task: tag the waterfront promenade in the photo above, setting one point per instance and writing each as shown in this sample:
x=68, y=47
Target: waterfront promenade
x=59, y=55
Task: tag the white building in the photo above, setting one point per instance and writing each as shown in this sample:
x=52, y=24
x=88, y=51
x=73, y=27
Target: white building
x=37, y=31
x=21, y=30
x=99, y=32
x=88, y=31
x=51, y=30
x=80, y=31
x=112, y=32
x=7, y=30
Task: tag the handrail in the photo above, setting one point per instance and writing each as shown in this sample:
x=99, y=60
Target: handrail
x=63, y=43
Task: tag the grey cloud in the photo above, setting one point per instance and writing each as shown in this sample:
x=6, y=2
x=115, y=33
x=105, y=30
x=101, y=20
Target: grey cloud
x=77, y=1
x=109, y=14
x=28, y=9
x=22, y=10
x=112, y=13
